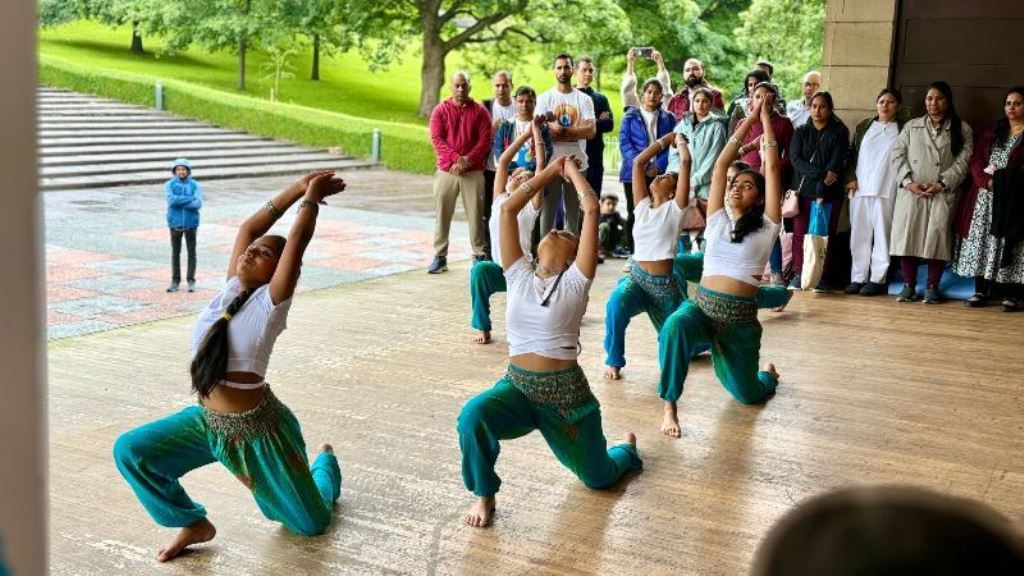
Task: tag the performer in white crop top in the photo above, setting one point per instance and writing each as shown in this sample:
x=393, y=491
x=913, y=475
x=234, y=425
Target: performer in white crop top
x=486, y=277
x=723, y=312
x=651, y=286
x=544, y=388
x=239, y=421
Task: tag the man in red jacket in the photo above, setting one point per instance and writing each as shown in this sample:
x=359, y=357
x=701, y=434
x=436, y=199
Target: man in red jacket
x=693, y=75
x=460, y=131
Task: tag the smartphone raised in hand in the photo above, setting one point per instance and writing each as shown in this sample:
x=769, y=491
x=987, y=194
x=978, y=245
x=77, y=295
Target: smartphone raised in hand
x=644, y=52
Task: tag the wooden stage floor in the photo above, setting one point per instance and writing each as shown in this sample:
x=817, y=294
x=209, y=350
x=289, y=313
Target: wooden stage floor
x=871, y=392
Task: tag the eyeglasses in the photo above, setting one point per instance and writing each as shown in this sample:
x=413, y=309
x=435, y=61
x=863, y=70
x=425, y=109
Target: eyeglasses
x=809, y=84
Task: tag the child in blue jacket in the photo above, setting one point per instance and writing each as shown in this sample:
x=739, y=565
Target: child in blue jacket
x=184, y=199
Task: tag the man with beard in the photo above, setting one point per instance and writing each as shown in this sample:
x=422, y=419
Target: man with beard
x=500, y=108
x=585, y=73
x=570, y=117
x=693, y=75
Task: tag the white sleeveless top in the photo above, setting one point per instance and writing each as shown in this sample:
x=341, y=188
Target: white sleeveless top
x=656, y=231
x=252, y=332
x=527, y=217
x=743, y=261
x=552, y=331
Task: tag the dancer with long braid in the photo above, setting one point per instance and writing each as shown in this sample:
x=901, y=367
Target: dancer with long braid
x=486, y=277
x=545, y=388
x=239, y=422
x=651, y=286
x=723, y=312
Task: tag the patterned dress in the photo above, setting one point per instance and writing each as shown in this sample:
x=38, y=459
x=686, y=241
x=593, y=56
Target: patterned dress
x=979, y=253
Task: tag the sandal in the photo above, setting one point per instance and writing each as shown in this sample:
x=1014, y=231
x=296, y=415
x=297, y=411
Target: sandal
x=976, y=301
x=1011, y=305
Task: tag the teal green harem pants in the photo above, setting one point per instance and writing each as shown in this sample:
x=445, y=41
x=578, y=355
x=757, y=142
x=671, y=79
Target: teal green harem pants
x=485, y=278
x=559, y=404
x=262, y=447
x=729, y=324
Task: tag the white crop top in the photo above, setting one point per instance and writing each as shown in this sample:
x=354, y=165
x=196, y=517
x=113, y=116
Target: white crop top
x=552, y=331
x=743, y=261
x=527, y=217
x=251, y=332
x=656, y=231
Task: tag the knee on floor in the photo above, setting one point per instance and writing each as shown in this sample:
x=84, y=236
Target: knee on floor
x=313, y=524
x=748, y=394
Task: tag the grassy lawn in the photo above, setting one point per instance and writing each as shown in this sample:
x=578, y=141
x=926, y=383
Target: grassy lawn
x=347, y=85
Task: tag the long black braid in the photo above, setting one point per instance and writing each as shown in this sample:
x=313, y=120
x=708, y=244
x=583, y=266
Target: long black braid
x=211, y=361
x=753, y=219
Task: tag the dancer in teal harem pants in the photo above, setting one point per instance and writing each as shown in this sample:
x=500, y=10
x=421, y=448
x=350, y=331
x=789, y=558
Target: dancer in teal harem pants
x=239, y=421
x=486, y=278
x=544, y=388
x=723, y=312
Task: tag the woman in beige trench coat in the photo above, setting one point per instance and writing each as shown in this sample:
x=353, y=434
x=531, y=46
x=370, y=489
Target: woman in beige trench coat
x=931, y=158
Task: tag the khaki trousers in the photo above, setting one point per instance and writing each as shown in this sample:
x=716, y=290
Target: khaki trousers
x=447, y=188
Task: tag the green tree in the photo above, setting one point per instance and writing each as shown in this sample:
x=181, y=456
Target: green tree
x=789, y=33
x=110, y=12
x=323, y=21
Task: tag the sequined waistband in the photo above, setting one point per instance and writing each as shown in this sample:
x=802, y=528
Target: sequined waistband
x=248, y=425
x=726, y=307
x=563, y=390
x=661, y=288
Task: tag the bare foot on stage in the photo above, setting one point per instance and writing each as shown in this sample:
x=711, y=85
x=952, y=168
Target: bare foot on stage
x=325, y=447
x=201, y=531
x=769, y=367
x=483, y=338
x=670, y=423
x=480, y=515
x=631, y=439
x=612, y=372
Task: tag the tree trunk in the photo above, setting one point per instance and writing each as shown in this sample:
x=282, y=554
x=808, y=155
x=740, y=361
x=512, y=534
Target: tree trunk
x=316, y=57
x=432, y=71
x=241, y=62
x=136, y=39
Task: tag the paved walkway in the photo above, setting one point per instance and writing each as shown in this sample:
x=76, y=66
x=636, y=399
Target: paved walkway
x=107, y=244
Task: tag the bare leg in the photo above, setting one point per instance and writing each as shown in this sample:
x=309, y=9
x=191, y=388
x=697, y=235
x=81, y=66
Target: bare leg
x=201, y=531
x=482, y=512
x=670, y=423
x=612, y=372
x=483, y=338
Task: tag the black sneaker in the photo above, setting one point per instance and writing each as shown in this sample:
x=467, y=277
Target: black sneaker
x=873, y=289
x=439, y=265
x=908, y=294
x=854, y=288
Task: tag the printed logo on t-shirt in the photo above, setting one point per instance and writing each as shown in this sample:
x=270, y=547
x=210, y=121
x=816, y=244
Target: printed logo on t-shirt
x=566, y=114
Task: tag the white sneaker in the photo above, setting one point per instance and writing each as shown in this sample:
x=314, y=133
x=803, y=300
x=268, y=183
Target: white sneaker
x=626, y=267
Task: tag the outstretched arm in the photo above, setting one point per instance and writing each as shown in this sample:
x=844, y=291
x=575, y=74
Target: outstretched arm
x=282, y=285
x=716, y=196
x=640, y=163
x=683, y=178
x=265, y=216
x=770, y=165
x=511, y=251
x=586, y=250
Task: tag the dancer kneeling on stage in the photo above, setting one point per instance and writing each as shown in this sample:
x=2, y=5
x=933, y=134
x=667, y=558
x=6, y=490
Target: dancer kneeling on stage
x=487, y=277
x=239, y=422
x=651, y=286
x=545, y=388
x=723, y=312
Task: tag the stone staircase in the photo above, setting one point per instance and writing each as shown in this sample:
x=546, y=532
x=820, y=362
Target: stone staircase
x=90, y=142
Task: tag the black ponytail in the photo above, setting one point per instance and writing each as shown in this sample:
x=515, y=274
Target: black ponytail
x=211, y=360
x=753, y=219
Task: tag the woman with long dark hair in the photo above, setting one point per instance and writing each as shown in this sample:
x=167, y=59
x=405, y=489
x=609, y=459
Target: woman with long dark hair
x=990, y=223
x=239, y=422
x=544, y=389
x=818, y=153
x=723, y=312
x=931, y=156
x=871, y=185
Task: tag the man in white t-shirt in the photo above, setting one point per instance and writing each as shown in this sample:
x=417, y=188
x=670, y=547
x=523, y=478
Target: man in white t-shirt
x=570, y=116
x=501, y=108
x=799, y=111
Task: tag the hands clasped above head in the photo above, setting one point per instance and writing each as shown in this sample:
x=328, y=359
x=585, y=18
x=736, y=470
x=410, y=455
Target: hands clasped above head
x=320, y=185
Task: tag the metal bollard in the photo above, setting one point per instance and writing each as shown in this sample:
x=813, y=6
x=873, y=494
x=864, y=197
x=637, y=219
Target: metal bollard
x=375, y=146
x=159, y=96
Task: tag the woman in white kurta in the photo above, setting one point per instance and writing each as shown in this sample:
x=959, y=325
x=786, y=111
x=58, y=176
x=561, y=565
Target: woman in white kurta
x=930, y=156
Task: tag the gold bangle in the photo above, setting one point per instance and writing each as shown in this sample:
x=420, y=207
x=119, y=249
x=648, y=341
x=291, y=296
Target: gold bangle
x=310, y=203
x=271, y=209
x=733, y=140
